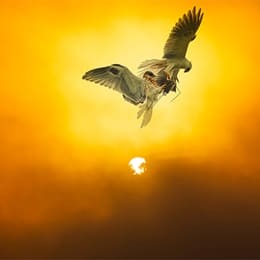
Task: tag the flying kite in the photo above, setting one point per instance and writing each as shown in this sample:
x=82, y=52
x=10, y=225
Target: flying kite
x=157, y=77
x=176, y=46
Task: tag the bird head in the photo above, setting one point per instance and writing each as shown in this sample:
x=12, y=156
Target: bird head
x=188, y=66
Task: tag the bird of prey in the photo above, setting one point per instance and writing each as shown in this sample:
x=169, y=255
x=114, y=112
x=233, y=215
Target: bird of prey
x=133, y=89
x=176, y=46
x=157, y=76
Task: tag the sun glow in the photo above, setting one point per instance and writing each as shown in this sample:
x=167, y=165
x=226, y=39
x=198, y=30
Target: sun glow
x=137, y=164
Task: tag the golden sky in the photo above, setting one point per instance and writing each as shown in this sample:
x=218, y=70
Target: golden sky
x=66, y=143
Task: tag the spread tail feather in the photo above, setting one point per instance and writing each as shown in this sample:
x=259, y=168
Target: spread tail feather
x=147, y=116
x=141, y=111
x=146, y=110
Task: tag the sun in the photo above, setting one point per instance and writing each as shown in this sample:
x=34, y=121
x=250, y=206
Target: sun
x=137, y=164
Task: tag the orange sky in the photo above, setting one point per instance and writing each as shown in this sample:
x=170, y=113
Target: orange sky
x=66, y=142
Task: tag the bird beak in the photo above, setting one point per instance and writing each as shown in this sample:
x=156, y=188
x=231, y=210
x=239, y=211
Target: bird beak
x=187, y=70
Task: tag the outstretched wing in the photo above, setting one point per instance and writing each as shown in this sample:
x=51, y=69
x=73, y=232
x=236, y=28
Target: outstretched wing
x=182, y=33
x=119, y=78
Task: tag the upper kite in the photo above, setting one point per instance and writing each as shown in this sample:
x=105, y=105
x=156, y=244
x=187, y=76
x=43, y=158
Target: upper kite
x=176, y=46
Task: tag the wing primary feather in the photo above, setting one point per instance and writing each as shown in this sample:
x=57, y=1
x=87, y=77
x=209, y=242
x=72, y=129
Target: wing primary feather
x=201, y=18
x=185, y=20
x=92, y=74
x=194, y=16
x=190, y=17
